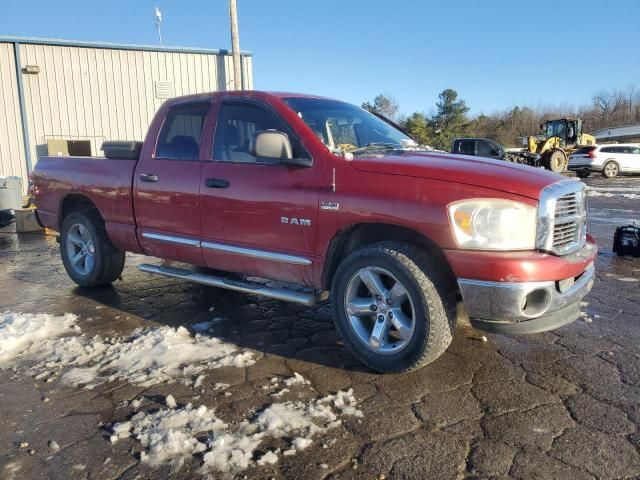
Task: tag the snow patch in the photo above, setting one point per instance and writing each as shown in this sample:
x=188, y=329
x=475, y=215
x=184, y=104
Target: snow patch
x=301, y=443
x=171, y=436
x=170, y=401
x=54, y=345
x=297, y=379
x=21, y=333
x=280, y=393
x=268, y=458
x=622, y=192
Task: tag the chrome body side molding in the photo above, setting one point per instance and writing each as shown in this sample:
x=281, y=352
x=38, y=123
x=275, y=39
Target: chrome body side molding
x=172, y=239
x=226, y=248
x=259, y=254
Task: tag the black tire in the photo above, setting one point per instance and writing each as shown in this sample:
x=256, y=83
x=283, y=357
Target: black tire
x=431, y=286
x=556, y=160
x=108, y=261
x=611, y=169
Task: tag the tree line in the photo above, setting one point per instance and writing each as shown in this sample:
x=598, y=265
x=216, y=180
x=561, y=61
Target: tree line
x=450, y=118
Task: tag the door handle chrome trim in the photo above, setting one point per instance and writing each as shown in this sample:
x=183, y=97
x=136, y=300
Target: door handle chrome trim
x=171, y=239
x=253, y=253
x=149, y=177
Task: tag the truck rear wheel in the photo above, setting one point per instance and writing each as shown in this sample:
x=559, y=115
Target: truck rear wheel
x=394, y=306
x=88, y=255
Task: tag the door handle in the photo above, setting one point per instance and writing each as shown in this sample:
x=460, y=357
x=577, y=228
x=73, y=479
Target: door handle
x=149, y=177
x=216, y=183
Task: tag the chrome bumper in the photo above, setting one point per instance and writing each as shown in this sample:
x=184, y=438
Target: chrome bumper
x=525, y=307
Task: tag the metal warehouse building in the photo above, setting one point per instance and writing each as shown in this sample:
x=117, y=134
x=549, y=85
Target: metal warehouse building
x=61, y=97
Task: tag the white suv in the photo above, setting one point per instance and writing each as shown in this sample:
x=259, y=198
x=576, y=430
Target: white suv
x=610, y=160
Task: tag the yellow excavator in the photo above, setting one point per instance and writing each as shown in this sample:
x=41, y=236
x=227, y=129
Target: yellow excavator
x=560, y=137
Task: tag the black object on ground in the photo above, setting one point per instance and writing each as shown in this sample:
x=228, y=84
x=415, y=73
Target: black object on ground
x=626, y=241
x=7, y=217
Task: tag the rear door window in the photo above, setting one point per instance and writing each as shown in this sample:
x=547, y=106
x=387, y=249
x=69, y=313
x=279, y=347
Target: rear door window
x=611, y=150
x=180, y=134
x=467, y=147
x=486, y=149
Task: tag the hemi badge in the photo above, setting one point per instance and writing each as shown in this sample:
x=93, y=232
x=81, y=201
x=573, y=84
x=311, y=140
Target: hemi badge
x=329, y=206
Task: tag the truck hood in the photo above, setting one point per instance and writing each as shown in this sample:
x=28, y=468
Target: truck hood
x=480, y=172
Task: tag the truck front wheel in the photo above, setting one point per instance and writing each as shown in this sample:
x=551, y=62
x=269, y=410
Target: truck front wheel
x=555, y=160
x=394, y=306
x=88, y=255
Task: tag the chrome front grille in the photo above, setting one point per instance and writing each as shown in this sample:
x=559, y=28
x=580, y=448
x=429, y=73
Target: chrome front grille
x=567, y=219
x=562, y=214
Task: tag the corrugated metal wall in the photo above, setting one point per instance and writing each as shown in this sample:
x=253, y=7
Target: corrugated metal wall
x=94, y=94
x=12, y=156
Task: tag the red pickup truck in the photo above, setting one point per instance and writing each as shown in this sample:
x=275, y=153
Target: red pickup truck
x=321, y=194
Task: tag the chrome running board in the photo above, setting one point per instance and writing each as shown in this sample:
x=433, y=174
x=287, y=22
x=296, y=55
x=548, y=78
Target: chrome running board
x=240, y=286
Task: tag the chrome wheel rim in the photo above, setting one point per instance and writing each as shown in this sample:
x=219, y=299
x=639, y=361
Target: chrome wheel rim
x=611, y=170
x=379, y=310
x=80, y=249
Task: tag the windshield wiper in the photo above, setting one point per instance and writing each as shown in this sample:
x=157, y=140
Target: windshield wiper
x=377, y=146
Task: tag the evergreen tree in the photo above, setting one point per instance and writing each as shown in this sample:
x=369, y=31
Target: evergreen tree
x=417, y=127
x=450, y=120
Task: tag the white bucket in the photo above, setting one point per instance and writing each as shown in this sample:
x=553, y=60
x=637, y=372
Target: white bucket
x=10, y=193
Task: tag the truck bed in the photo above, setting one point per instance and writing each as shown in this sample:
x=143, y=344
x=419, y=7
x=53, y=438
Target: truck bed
x=106, y=182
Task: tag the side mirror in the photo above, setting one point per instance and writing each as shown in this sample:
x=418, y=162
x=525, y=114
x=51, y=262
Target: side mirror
x=271, y=144
x=275, y=144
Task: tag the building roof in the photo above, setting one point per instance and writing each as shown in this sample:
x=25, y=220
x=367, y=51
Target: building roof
x=618, y=133
x=115, y=46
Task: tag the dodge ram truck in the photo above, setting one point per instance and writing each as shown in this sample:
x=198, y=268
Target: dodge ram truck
x=327, y=201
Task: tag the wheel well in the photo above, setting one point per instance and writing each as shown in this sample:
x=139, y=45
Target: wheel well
x=73, y=203
x=359, y=235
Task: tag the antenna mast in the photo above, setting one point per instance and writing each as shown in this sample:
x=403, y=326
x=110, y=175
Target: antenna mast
x=158, y=22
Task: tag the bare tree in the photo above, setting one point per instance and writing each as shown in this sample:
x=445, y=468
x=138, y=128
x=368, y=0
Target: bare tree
x=382, y=105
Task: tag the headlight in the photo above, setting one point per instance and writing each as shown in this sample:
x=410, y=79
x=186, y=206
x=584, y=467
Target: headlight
x=493, y=224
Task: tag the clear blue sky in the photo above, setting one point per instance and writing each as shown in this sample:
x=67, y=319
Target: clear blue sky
x=495, y=53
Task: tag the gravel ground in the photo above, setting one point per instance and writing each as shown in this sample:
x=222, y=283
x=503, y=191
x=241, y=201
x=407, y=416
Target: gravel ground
x=563, y=404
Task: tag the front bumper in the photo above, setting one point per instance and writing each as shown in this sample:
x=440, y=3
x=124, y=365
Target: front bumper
x=525, y=307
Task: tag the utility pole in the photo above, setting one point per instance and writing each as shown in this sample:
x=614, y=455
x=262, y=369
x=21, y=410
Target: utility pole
x=235, y=45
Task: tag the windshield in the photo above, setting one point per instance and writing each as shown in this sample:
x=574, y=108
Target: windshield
x=556, y=129
x=346, y=128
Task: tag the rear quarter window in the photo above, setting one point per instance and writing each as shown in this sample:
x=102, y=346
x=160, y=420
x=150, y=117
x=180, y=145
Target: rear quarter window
x=465, y=147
